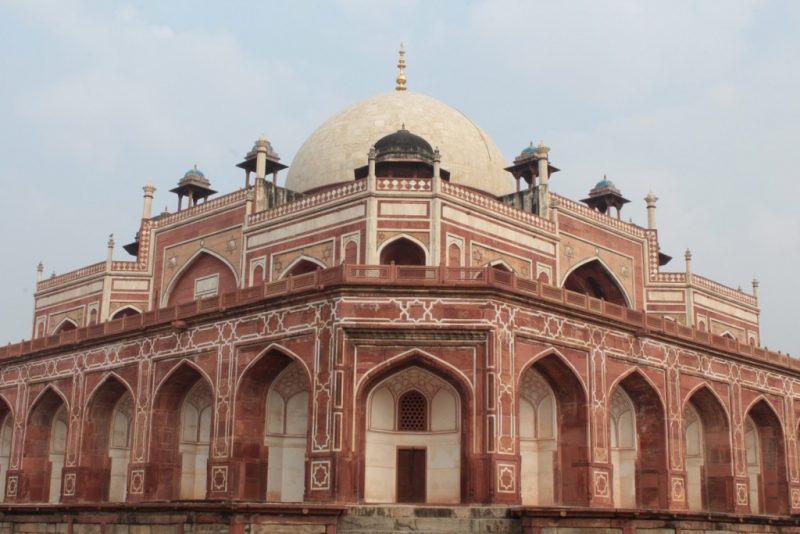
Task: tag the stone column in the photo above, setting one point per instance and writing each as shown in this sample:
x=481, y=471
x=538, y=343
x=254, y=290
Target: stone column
x=651, y=200
x=148, y=189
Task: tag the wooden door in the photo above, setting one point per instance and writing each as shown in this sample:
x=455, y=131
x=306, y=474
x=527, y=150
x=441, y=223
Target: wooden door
x=411, y=475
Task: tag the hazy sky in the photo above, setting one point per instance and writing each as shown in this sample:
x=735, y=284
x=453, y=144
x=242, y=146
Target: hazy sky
x=698, y=101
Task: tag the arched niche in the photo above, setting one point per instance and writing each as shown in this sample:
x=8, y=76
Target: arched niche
x=594, y=279
x=181, y=432
x=413, y=439
x=125, y=311
x=403, y=251
x=105, y=446
x=6, y=437
x=638, y=434
x=287, y=433
x=569, y=460
x=44, y=449
x=252, y=448
x=709, y=471
x=302, y=266
x=538, y=447
x=766, y=460
x=65, y=326
x=204, y=276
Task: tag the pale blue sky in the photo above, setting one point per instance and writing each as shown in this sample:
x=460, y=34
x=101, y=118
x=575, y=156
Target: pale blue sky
x=697, y=101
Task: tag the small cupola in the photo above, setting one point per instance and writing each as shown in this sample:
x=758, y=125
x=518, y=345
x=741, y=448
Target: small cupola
x=195, y=186
x=526, y=166
x=605, y=195
x=271, y=161
x=403, y=154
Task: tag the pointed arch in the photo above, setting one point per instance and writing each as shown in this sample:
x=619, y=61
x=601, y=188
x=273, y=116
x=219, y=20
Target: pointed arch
x=6, y=440
x=167, y=425
x=125, y=311
x=500, y=265
x=593, y=277
x=770, y=455
x=439, y=370
x=650, y=465
x=43, y=452
x=302, y=265
x=101, y=419
x=571, y=459
x=403, y=249
x=65, y=325
x=203, y=263
x=714, y=480
x=250, y=446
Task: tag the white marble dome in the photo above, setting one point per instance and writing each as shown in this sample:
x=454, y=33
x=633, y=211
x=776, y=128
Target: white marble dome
x=341, y=144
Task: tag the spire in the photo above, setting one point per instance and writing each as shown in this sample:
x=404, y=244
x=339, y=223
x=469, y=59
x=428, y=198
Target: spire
x=401, y=75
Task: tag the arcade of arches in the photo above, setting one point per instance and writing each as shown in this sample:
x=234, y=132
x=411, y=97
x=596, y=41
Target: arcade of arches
x=416, y=436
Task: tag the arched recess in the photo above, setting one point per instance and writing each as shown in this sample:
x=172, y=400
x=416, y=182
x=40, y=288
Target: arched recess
x=454, y=255
x=181, y=433
x=105, y=448
x=638, y=444
x=765, y=451
x=303, y=265
x=351, y=252
x=593, y=278
x=65, y=326
x=45, y=445
x=500, y=265
x=709, y=472
x=125, y=311
x=569, y=459
x=384, y=440
x=6, y=436
x=262, y=435
x=403, y=250
x=205, y=275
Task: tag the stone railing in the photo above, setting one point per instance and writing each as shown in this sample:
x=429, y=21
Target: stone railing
x=716, y=287
x=496, y=206
x=670, y=278
x=219, y=202
x=404, y=184
x=309, y=201
x=77, y=274
x=407, y=276
x=563, y=203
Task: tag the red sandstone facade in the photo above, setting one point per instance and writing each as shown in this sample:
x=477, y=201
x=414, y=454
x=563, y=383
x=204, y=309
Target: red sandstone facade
x=332, y=294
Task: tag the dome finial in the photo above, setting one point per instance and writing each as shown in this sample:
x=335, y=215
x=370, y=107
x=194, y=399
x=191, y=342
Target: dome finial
x=401, y=66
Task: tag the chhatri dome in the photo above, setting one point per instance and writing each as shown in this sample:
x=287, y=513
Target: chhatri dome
x=341, y=144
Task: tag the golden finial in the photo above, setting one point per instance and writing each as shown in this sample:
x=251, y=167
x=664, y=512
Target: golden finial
x=401, y=76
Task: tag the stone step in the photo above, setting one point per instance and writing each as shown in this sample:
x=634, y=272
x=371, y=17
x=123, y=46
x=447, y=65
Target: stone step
x=427, y=520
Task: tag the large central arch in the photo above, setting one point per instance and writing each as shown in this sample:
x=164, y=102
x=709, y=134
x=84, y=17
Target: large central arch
x=400, y=442
x=593, y=278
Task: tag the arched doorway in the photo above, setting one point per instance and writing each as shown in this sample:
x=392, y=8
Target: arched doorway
x=272, y=406
x=402, y=251
x=709, y=479
x=181, y=423
x=45, y=446
x=106, y=443
x=593, y=279
x=638, y=445
x=204, y=276
x=413, y=438
x=561, y=450
x=6, y=435
x=766, y=460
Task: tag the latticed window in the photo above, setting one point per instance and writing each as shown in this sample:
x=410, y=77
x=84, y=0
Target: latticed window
x=413, y=412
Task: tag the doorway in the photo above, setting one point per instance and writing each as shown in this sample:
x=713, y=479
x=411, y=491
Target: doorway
x=411, y=466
